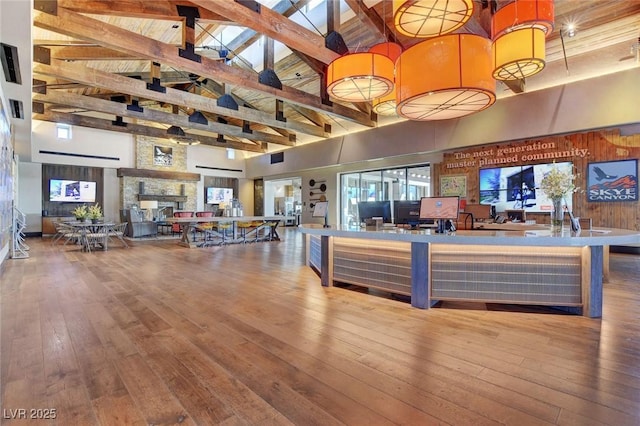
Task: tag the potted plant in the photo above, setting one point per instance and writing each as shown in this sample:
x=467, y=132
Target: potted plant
x=80, y=213
x=94, y=212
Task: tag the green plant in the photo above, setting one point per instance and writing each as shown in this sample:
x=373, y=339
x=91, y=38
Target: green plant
x=94, y=211
x=80, y=212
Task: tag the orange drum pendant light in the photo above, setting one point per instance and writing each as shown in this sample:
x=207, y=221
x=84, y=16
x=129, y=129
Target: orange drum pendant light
x=446, y=77
x=386, y=105
x=360, y=77
x=430, y=18
x=518, y=31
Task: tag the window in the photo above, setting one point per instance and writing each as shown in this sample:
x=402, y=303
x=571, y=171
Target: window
x=231, y=154
x=63, y=131
x=402, y=183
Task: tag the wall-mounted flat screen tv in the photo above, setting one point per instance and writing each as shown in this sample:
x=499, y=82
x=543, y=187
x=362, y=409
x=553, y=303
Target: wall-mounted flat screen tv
x=72, y=191
x=518, y=187
x=219, y=195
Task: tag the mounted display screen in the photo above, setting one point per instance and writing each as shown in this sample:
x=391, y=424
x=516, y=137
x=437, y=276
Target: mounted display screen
x=219, y=195
x=371, y=209
x=72, y=191
x=439, y=207
x=518, y=187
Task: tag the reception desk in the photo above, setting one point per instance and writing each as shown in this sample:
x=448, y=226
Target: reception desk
x=530, y=267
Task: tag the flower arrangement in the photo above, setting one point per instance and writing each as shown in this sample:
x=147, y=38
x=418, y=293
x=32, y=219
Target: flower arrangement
x=94, y=211
x=557, y=184
x=80, y=212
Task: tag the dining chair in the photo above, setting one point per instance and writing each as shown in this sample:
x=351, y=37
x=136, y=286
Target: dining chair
x=118, y=231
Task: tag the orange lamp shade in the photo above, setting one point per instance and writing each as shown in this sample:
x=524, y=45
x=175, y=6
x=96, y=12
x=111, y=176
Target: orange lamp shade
x=388, y=49
x=446, y=77
x=385, y=105
x=519, y=54
x=430, y=18
x=521, y=14
x=360, y=77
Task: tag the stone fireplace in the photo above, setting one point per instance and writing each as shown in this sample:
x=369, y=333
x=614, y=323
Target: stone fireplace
x=160, y=175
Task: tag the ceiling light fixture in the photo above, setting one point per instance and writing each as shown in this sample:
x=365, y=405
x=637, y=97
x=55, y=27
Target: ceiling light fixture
x=178, y=136
x=430, y=18
x=518, y=31
x=360, y=77
x=386, y=105
x=445, y=77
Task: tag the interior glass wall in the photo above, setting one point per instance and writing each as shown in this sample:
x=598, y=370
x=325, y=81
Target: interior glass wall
x=401, y=183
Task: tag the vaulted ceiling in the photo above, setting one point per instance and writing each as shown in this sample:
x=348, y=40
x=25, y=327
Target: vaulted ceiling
x=237, y=74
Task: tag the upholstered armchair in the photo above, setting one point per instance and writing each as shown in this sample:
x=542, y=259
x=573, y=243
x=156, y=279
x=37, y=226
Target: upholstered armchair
x=137, y=226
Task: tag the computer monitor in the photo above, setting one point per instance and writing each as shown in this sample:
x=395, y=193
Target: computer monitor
x=443, y=209
x=371, y=209
x=480, y=212
x=516, y=215
x=407, y=212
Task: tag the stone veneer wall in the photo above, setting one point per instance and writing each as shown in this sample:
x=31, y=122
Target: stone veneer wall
x=144, y=150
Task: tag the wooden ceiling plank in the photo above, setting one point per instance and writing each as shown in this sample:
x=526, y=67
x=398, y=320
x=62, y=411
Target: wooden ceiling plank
x=156, y=9
x=149, y=114
x=136, y=129
x=372, y=22
x=75, y=25
x=274, y=25
x=131, y=86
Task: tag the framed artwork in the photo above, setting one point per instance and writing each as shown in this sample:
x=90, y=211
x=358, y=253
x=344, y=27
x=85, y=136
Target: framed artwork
x=453, y=185
x=162, y=155
x=612, y=181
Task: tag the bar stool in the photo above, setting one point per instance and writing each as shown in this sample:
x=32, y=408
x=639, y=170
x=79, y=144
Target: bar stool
x=243, y=228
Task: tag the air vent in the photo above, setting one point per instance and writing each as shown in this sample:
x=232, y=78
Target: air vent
x=277, y=157
x=16, y=108
x=10, y=64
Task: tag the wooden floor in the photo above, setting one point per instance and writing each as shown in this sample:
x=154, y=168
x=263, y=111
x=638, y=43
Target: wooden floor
x=160, y=334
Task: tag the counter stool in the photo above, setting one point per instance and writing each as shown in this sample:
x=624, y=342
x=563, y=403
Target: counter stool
x=244, y=228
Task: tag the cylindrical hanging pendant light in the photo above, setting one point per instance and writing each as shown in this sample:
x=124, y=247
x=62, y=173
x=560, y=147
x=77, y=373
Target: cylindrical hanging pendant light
x=518, y=54
x=518, y=31
x=446, y=77
x=522, y=14
x=430, y=18
x=386, y=105
x=360, y=77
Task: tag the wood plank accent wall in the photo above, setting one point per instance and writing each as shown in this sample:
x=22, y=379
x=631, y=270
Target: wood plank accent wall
x=220, y=182
x=68, y=172
x=606, y=145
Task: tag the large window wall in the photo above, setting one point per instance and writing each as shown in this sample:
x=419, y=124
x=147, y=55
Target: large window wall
x=401, y=183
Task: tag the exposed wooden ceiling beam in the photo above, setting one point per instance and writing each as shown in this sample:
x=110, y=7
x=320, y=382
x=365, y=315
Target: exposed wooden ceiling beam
x=81, y=74
x=137, y=129
x=274, y=25
x=371, y=20
x=76, y=25
x=149, y=114
x=156, y=9
x=91, y=53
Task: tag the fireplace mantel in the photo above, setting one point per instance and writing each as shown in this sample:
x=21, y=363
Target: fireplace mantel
x=158, y=174
x=163, y=198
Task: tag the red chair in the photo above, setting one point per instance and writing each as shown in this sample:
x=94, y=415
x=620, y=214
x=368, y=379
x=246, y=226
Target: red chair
x=175, y=227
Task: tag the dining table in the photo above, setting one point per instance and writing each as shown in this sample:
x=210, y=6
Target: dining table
x=187, y=224
x=92, y=234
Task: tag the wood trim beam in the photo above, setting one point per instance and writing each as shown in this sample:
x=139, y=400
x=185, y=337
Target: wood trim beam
x=274, y=25
x=157, y=174
x=76, y=25
x=119, y=109
x=156, y=9
x=135, y=87
x=136, y=129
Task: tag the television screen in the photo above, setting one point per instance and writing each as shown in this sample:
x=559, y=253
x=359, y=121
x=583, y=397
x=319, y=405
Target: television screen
x=371, y=209
x=439, y=207
x=74, y=191
x=219, y=195
x=518, y=187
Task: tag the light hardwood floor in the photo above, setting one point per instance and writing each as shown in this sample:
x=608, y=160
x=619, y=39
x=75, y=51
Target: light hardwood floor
x=160, y=334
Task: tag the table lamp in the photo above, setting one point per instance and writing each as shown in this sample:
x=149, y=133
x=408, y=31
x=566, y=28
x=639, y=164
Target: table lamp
x=148, y=205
